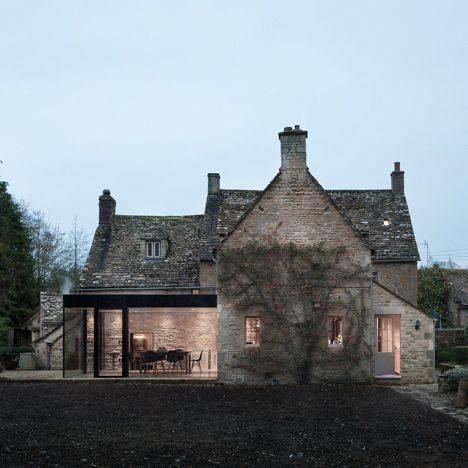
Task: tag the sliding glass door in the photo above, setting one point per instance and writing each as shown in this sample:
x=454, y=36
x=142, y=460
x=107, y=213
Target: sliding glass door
x=75, y=340
x=110, y=343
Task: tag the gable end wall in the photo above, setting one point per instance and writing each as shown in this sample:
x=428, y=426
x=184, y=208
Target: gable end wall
x=292, y=209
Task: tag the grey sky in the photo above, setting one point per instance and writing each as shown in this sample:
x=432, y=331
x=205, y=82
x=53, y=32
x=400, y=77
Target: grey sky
x=145, y=98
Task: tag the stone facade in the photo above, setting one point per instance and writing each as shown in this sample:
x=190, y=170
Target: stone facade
x=402, y=278
x=55, y=359
x=294, y=208
x=49, y=342
x=372, y=226
x=50, y=353
x=51, y=311
x=416, y=345
x=458, y=300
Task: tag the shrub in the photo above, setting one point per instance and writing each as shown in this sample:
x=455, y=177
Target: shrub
x=9, y=355
x=456, y=354
x=4, y=330
x=453, y=377
x=466, y=334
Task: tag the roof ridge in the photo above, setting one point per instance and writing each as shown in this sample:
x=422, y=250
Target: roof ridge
x=240, y=190
x=159, y=216
x=358, y=190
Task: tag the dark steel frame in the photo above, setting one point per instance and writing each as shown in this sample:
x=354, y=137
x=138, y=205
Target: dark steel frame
x=123, y=302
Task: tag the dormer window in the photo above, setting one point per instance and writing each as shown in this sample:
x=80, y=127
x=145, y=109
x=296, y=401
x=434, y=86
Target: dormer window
x=153, y=249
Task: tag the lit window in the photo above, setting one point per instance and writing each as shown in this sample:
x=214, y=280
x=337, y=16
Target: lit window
x=386, y=222
x=335, y=331
x=153, y=249
x=252, y=330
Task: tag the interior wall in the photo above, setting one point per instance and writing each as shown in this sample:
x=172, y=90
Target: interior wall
x=177, y=328
x=190, y=329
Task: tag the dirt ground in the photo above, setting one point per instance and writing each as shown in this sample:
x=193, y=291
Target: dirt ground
x=145, y=424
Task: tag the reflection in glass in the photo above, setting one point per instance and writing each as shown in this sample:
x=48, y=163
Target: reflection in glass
x=73, y=342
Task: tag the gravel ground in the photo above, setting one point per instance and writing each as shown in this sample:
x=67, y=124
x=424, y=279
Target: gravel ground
x=145, y=424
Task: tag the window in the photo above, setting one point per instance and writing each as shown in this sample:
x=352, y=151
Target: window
x=153, y=249
x=252, y=330
x=335, y=331
x=384, y=334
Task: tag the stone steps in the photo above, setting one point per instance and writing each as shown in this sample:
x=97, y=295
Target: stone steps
x=27, y=361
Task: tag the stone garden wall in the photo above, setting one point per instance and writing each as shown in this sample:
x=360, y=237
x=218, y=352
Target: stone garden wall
x=448, y=337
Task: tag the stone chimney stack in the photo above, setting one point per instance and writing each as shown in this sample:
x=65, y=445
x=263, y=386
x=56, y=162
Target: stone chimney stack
x=106, y=208
x=293, y=148
x=398, y=180
x=213, y=184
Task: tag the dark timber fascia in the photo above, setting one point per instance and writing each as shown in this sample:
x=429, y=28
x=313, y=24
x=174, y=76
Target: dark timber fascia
x=120, y=301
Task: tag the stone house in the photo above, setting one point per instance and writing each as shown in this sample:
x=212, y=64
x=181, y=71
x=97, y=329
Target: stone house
x=151, y=283
x=45, y=328
x=458, y=299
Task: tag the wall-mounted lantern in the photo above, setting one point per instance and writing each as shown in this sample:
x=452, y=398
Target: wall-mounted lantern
x=417, y=325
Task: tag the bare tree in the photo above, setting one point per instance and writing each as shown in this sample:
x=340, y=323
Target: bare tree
x=76, y=251
x=48, y=250
x=58, y=257
x=294, y=289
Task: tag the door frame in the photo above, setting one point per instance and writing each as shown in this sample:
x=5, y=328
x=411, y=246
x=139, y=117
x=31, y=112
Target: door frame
x=124, y=340
x=396, y=343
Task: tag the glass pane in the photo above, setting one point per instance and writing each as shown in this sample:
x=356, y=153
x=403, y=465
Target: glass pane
x=154, y=332
x=385, y=335
x=110, y=355
x=90, y=341
x=73, y=342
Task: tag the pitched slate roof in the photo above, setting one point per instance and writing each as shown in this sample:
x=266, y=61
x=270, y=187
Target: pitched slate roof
x=458, y=278
x=365, y=209
x=222, y=214
x=116, y=258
